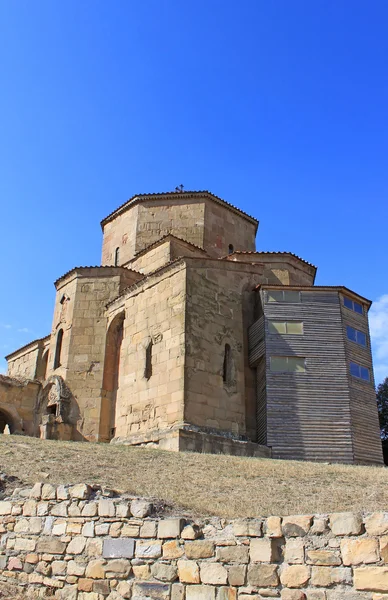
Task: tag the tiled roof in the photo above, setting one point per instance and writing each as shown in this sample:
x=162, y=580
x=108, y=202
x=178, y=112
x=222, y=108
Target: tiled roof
x=189, y=194
x=162, y=239
x=269, y=252
x=43, y=339
x=340, y=288
x=94, y=267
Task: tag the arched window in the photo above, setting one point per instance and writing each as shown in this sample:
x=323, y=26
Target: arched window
x=227, y=366
x=148, y=361
x=111, y=378
x=117, y=257
x=231, y=249
x=58, y=349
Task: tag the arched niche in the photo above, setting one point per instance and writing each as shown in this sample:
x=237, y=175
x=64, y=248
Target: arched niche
x=111, y=377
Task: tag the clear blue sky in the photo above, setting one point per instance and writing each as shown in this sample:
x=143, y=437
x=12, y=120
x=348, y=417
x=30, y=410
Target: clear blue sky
x=278, y=106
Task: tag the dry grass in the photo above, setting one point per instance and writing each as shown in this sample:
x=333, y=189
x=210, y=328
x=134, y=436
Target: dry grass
x=200, y=484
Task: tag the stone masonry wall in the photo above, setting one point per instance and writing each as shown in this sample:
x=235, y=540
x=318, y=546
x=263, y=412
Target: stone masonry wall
x=83, y=543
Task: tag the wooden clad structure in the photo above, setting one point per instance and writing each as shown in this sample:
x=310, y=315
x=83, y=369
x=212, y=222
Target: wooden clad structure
x=320, y=412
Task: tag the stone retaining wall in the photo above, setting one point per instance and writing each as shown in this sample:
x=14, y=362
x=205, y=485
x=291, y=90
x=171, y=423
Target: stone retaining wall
x=80, y=543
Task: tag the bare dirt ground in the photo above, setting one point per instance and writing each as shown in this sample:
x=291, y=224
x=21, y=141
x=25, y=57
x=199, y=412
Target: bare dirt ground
x=199, y=484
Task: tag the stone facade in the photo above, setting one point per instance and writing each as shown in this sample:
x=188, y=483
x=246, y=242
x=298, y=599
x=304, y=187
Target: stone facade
x=153, y=346
x=83, y=543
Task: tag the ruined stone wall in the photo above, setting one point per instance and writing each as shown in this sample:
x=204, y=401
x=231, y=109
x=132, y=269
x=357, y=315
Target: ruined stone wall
x=76, y=543
x=17, y=402
x=154, y=319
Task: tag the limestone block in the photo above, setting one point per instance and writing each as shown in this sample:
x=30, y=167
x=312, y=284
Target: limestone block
x=227, y=593
x=321, y=576
x=50, y=545
x=188, y=571
x=177, y=591
x=29, y=508
x=377, y=523
x=293, y=595
x=148, y=529
x=247, y=528
x=384, y=548
x=199, y=549
x=75, y=568
x=200, y=592
x=49, y=492
x=76, y=545
x=371, y=579
x=106, y=508
x=89, y=510
x=316, y=595
x=213, y=573
x=294, y=551
x=81, y=491
x=172, y=549
x=93, y=547
x=323, y=558
x=273, y=527
x=88, y=529
x=118, y=548
x=141, y=571
x=85, y=585
x=263, y=575
x=36, y=491
x=151, y=549
x=237, y=574
x=73, y=528
x=233, y=554
x=25, y=545
x=130, y=530
x=62, y=493
x=95, y=569
x=358, y=551
x=68, y=593
x=191, y=532
x=346, y=524
x=170, y=528
x=296, y=526
x=124, y=588
x=295, y=576
x=157, y=591
x=102, y=587
x=120, y=568
x=122, y=510
x=164, y=572
x=59, y=509
x=141, y=508
x=59, y=528
x=263, y=550
x=58, y=567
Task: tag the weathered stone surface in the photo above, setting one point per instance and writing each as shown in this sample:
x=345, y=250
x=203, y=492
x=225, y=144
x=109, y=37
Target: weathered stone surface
x=188, y=571
x=119, y=567
x=200, y=592
x=294, y=551
x=233, y=554
x=95, y=569
x=177, y=591
x=323, y=558
x=293, y=595
x=263, y=550
x=377, y=523
x=359, y=551
x=263, y=575
x=191, y=532
x=50, y=545
x=247, y=528
x=237, y=575
x=199, y=549
x=141, y=571
x=81, y=491
x=296, y=526
x=49, y=492
x=346, y=524
x=118, y=548
x=164, y=572
x=170, y=528
x=141, y=508
x=76, y=545
x=157, y=591
x=373, y=579
x=295, y=576
x=213, y=573
x=226, y=593
x=172, y=549
x=149, y=549
x=106, y=508
x=273, y=527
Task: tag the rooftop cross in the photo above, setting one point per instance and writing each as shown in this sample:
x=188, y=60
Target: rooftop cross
x=179, y=188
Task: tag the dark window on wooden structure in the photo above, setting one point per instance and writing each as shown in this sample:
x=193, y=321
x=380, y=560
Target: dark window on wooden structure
x=288, y=364
x=359, y=371
x=148, y=361
x=117, y=257
x=283, y=296
x=289, y=327
x=231, y=249
x=227, y=366
x=353, y=305
x=58, y=349
x=354, y=335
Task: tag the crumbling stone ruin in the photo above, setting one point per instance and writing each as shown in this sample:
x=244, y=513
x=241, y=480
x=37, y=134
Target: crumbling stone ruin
x=188, y=338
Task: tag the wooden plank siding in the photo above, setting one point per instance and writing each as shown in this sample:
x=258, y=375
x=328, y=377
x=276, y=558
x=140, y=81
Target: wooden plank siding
x=367, y=446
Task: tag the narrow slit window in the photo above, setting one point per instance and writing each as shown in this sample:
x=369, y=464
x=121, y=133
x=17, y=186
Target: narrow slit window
x=227, y=366
x=231, y=249
x=58, y=349
x=117, y=257
x=148, y=361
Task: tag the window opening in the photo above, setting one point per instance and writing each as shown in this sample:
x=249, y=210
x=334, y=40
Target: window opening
x=58, y=349
x=288, y=327
x=353, y=305
x=291, y=296
x=231, y=249
x=288, y=364
x=359, y=371
x=354, y=335
x=227, y=366
x=148, y=361
x=117, y=257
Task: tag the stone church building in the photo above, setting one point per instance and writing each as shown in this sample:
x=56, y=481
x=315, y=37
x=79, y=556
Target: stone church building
x=187, y=338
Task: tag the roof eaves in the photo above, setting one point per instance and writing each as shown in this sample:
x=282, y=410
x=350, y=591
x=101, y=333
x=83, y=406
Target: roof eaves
x=340, y=288
x=94, y=267
x=269, y=252
x=43, y=339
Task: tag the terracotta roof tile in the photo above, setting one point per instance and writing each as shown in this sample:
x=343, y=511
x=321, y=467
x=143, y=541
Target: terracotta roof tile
x=162, y=239
x=94, y=267
x=269, y=252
